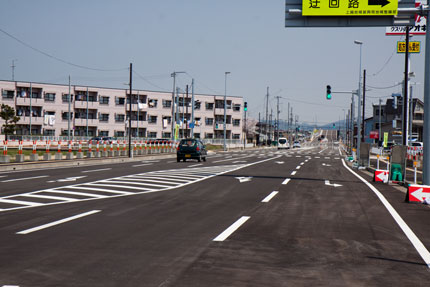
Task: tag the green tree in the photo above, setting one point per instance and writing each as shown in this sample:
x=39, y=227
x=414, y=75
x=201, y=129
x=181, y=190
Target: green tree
x=7, y=113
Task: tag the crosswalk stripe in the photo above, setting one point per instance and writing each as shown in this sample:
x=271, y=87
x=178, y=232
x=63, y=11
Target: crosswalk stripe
x=49, y=197
x=74, y=192
x=171, y=178
x=130, y=179
x=20, y=202
x=109, y=185
x=135, y=183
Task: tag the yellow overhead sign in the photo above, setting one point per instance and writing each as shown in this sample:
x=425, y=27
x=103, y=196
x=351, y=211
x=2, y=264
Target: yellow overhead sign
x=349, y=7
x=414, y=47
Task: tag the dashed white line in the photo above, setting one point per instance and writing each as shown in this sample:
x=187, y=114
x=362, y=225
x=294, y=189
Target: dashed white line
x=94, y=170
x=226, y=233
x=27, y=231
x=270, y=196
x=302, y=163
x=24, y=178
x=294, y=172
x=298, y=167
x=143, y=164
x=198, y=164
x=286, y=180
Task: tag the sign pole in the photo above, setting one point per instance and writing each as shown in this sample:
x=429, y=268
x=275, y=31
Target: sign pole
x=405, y=92
x=426, y=130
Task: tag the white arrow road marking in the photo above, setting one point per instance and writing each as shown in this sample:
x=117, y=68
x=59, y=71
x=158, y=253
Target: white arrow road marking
x=325, y=164
x=327, y=182
x=279, y=162
x=244, y=178
x=420, y=194
x=74, y=178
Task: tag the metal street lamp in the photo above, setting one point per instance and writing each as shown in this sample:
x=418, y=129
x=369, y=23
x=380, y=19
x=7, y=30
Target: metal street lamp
x=359, y=105
x=225, y=108
x=173, y=123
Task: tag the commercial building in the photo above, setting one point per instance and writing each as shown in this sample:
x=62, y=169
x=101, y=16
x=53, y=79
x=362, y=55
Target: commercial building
x=94, y=111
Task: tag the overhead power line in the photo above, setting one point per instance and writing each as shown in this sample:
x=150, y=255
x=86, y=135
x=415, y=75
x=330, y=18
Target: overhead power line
x=149, y=82
x=59, y=59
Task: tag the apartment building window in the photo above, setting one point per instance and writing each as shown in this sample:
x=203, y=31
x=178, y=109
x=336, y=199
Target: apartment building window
x=65, y=98
x=167, y=135
x=236, y=136
x=119, y=134
x=167, y=104
x=119, y=101
x=197, y=135
x=152, y=119
x=209, y=135
x=152, y=103
x=119, y=118
x=104, y=100
x=209, y=121
x=236, y=107
x=8, y=94
x=65, y=115
x=209, y=106
x=104, y=117
x=103, y=133
x=197, y=105
x=49, y=132
x=152, y=134
x=50, y=97
x=236, y=122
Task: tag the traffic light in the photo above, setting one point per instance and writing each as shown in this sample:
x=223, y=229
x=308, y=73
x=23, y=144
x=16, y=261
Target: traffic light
x=245, y=108
x=328, y=95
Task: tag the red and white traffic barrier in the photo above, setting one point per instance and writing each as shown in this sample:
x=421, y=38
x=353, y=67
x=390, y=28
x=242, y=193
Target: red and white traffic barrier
x=418, y=193
x=20, y=147
x=47, y=147
x=80, y=146
x=381, y=176
x=59, y=147
x=90, y=147
x=98, y=146
x=69, y=147
x=34, y=147
x=5, y=147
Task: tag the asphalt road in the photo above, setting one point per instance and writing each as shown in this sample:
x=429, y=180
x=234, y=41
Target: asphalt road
x=255, y=218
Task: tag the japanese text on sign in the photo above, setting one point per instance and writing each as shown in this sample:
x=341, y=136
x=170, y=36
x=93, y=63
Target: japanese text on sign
x=349, y=7
x=414, y=47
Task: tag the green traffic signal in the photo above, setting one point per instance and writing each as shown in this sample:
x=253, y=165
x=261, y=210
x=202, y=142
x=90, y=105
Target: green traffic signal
x=245, y=108
x=328, y=94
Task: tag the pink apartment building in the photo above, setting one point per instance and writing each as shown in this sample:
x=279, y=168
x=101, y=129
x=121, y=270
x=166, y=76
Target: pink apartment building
x=98, y=111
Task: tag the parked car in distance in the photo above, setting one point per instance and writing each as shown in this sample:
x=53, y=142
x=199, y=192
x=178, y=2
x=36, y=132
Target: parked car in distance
x=191, y=149
x=283, y=143
x=109, y=140
x=296, y=144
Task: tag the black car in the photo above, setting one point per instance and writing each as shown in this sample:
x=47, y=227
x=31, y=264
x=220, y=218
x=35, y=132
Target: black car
x=191, y=149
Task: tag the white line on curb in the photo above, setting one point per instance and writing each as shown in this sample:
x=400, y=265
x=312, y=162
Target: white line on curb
x=416, y=242
x=57, y=222
x=224, y=235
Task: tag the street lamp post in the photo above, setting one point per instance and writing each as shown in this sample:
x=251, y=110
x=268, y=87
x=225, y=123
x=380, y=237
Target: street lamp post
x=359, y=105
x=225, y=108
x=173, y=124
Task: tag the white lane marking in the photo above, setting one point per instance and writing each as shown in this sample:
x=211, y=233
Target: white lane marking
x=20, y=202
x=226, y=233
x=298, y=167
x=100, y=189
x=10, y=286
x=416, y=242
x=286, y=180
x=298, y=156
x=27, y=231
x=164, y=177
x=236, y=158
x=94, y=170
x=2, y=176
x=74, y=193
x=270, y=196
x=294, y=172
x=143, y=164
x=323, y=150
x=198, y=164
x=74, y=178
x=130, y=182
x=50, y=197
x=24, y=178
x=317, y=157
x=164, y=180
x=302, y=163
x=111, y=185
x=244, y=178
x=327, y=182
x=172, y=161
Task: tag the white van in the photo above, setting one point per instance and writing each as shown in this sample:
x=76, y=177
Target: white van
x=283, y=143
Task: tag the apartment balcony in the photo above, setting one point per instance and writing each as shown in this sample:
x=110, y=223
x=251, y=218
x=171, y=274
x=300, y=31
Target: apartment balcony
x=26, y=101
x=83, y=105
x=83, y=122
x=34, y=120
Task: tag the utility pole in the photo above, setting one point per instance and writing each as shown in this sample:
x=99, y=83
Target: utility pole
x=288, y=120
x=267, y=113
x=277, y=118
x=225, y=109
x=130, y=153
x=87, y=114
x=31, y=109
x=192, y=108
x=68, y=115
x=13, y=70
x=173, y=123
x=405, y=92
x=186, y=125
x=364, y=104
x=380, y=129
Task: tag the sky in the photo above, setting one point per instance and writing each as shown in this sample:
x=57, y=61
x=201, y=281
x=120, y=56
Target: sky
x=94, y=41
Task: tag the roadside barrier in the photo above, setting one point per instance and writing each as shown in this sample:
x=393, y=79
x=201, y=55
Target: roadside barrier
x=417, y=193
x=34, y=147
x=20, y=147
x=80, y=146
x=98, y=146
x=4, y=147
x=90, y=146
x=47, y=147
x=69, y=147
x=104, y=146
x=59, y=147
